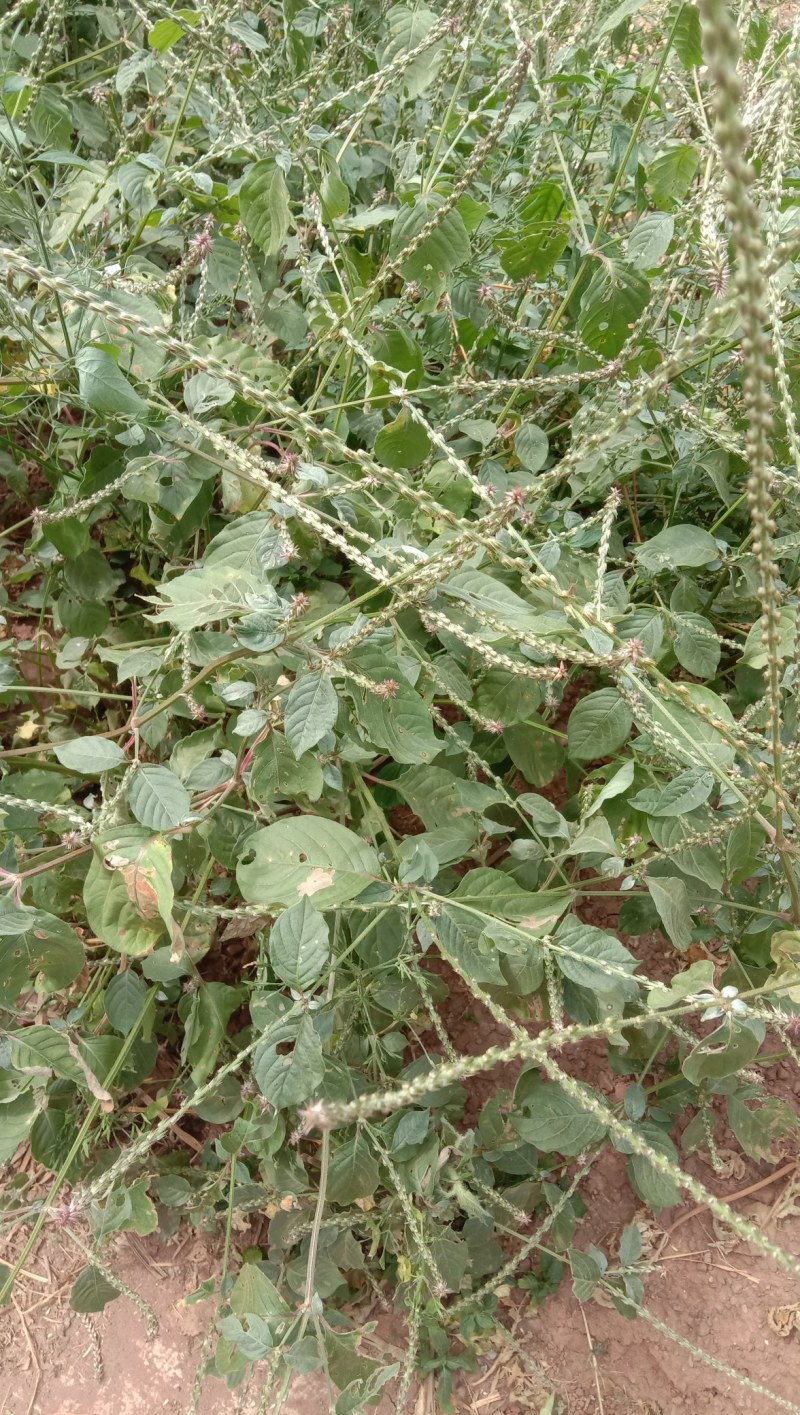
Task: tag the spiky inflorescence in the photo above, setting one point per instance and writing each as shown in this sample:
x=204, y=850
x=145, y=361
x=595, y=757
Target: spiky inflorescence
x=721, y=42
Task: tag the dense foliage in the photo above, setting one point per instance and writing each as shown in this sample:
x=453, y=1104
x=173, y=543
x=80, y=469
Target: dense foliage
x=398, y=560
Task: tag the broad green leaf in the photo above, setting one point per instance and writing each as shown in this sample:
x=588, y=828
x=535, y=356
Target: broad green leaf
x=264, y=205
x=558, y=1123
x=755, y=654
x=205, y=1015
x=298, y=946
x=253, y=543
x=124, y=999
x=254, y=1295
x=158, y=798
x=613, y=300
x=694, y=739
x=36, y=949
x=40, y=1048
x=353, y=1172
x=19, y=1117
x=598, y=726
x=684, y=793
x=696, y=644
x=586, y=1274
x=408, y=28
x=91, y=1291
x=164, y=34
x=289, y=1076
x=402, y=444
x=541, y=236
x=650, y=239
x=594, y=959
x=531, y=446
x=656, y=1189
x=310, y=712
x=104, y=387
x=672, y=173
x=306, y=857
x=277, y=774
x=400, y=724
x=672, y=902
x=442, y=251
x=759, y=1130
x=675, y=546
x=686, y=36
x=538, y=755
x=90, y=755
x=334, y=192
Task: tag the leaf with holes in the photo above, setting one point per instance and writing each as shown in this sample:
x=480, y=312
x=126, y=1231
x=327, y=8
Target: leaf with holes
x=306, y=857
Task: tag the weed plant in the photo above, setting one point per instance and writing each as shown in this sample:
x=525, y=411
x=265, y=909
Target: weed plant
x=400, y=537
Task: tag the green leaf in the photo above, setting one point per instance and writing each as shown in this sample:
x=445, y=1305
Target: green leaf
x=158, y=798
x=164, y=34
x=254, y=1295
x=146, y=868
x=672, y=902
x=402, y=444
x=124, y=999
x=264, y=206
x=90, y=755
x=613, y=300
x=288, y=1076
x=91, y=1291
x=684, y=793
x=277, y=774
x=672, y=173
x=650, y=239
x=36, y=948
x=442, y=251
x=531, y=446
x=334, y=192
x=306, y=857
x=686, y=36
x=408, y=28
x=558, y=1123
x=541, y=237
x=538, y=755
x=104, y=388
x=299, y=947
x=595, y=959
x=654, y=1188
x=725, y=1052
x=41, y=1048
x=598, y=725
x=205, y=1023
x=696, y=644
x=676, y=546
x=759, y=1130
x=310, y=712
x=353, y=1172
x=586, y=1274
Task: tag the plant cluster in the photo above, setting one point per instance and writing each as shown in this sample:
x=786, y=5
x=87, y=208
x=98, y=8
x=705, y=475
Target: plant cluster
x=401, y=528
